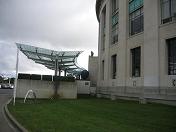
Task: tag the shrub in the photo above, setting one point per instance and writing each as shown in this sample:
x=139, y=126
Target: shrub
x=84, y=74
x=12, y=80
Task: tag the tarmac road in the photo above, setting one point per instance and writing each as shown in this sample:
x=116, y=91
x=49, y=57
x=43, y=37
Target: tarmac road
x=5, y=95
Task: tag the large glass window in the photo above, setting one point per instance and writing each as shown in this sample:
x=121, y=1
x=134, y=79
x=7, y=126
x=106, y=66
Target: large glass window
x=171, y=56
x=135, y=5
x=104, y=17
x=136, y=61
x=115, y=19
x=136, y=16
x=103, y=27
x=115, y=5
x=168, y=10
x=113, y=66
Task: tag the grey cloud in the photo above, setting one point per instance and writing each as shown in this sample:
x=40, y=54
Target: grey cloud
x=53, y=24
x=54, y=21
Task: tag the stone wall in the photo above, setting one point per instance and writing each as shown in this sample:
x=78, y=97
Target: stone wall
x=93, y=70
x=154, y=82
x=152, y=94
x=83, y=87
x=45, y=89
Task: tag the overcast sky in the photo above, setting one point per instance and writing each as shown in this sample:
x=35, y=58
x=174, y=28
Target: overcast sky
x=53, y=24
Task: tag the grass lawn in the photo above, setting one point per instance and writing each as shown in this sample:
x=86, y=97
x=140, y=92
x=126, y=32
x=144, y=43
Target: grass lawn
x=94, y=115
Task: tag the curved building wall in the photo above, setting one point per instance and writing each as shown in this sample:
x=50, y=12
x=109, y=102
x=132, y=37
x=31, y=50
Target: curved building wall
x=147, y=42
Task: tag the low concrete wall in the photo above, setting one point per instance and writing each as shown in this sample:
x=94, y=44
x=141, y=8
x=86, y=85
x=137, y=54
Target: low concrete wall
x=152, y=94
x=93, y=70
x=45, y=89
x=93, y=90
x=68, y=90
x=83, y=87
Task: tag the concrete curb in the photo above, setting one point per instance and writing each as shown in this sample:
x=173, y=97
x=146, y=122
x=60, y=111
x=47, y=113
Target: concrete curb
x=12, y=120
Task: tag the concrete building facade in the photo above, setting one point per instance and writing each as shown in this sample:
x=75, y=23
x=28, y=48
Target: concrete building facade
x=137, y=49
x=93, y=68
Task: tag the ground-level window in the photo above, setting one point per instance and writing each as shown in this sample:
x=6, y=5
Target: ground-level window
x=136, y=61
x=102, y=70
x=171, y=43
x=114, y=36
x=113, y=66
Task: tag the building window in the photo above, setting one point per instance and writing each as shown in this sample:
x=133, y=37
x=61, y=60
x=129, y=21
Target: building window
x=136, y=16
x=168, y=10
x=136, y=61
x=103, y=27
x=171, y=43
x=115, y=19
x=115, y=5
x=102, y=70
x=113, y=67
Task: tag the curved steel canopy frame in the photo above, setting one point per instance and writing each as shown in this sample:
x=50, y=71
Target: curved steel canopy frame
x=54, y=60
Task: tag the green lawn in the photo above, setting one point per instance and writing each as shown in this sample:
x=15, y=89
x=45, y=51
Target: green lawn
x=94, y=115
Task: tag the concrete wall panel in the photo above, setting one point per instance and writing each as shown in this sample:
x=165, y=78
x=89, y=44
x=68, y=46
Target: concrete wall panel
x=45, y=89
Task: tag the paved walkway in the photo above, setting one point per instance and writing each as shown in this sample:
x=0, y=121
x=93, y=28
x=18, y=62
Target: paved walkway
x=5, y=95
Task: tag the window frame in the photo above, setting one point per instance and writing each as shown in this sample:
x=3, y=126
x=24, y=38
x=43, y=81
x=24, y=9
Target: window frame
x=114, y=22
x=114, y=66
x=170, y=12
x=171, y=56
x=116, y=7
x=103, y=38
x=133, y=17
x=136, y=61
x=102, y=69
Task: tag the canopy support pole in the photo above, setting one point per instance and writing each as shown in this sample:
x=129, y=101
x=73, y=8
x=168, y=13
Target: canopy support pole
x=14, y=90
x=65, y=72
x=56, y=81
x=56, y=67
x=59, y=71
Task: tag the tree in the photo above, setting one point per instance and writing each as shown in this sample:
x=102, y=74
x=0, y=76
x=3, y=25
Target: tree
x=1, y=79
x=84, y=74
